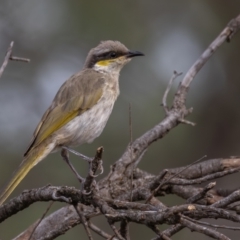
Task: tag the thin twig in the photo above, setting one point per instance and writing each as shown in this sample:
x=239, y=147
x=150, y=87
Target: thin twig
x=99, y=231
x=235, y=196
x=116, y=232
x=173, y=176
x=169, y=232
x=165, y=237
x=9, y=56
x=155, y=229
x=207, y=231
x=202, y=193
x=6, y=59
x=40, y=220
x=84, y=222
x=19, y=59
x=211, y=225
x=124, y=229
x=162, y=237
x=180, y=181
x=130, y=146
x=184, y=169
x=164, y=99
x=187, y=122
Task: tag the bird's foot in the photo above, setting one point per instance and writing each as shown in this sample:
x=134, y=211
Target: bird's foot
x=95, y=164
x=60, y=198
x=100, y=167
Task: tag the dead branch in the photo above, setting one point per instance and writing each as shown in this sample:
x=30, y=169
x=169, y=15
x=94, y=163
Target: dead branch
x=9, y=56
x=6, y=59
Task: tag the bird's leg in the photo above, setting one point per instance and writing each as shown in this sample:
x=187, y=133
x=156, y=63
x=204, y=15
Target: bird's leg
x=78, y=154
x=88, y=159
x=65, y=156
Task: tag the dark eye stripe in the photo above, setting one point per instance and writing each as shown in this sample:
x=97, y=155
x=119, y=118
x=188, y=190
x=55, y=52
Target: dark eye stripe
x=109, y=55
x=105, y=56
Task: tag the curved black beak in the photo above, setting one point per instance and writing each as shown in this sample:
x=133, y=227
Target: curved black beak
x=131, y=54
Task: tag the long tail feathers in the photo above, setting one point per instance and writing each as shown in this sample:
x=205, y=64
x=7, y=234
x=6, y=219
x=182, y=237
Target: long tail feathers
x=33, y=157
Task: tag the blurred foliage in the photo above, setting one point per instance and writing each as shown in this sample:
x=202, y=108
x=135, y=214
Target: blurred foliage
x=56, y=35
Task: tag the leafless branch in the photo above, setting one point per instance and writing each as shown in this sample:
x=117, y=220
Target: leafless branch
x=164, y=100
x=6, y=59
x=99, y=231
x=95, y=165
x=212, y=225
x=124, y=229
x=9, y=56
x=19, y=59
x=83, y=221
x=207, y=231
x=43, y=216
x=202, y=193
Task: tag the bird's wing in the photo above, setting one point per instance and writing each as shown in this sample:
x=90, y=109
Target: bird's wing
x=78, y=94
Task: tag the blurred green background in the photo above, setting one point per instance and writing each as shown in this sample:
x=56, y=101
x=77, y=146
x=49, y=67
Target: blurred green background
x=57, y=35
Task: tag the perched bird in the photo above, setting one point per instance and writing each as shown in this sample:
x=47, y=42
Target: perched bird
x=80, y=109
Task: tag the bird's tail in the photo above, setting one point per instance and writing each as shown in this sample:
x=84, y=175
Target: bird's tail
x=33, y=157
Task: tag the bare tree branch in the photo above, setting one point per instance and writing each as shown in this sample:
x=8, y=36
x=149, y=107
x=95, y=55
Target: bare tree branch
x=207, y=231
x=9, y=56
x=6, y=59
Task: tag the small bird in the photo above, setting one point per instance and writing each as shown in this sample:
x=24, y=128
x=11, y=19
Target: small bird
x=80, y=109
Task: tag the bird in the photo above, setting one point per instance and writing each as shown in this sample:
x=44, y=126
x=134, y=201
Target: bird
x=79, y=110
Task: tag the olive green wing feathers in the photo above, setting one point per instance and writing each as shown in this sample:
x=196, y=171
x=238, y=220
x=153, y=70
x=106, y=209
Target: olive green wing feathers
x=78, y=94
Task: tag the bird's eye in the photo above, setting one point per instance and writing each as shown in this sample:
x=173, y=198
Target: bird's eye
x=113, y=54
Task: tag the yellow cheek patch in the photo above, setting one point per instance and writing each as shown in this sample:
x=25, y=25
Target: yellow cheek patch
x=104, y=62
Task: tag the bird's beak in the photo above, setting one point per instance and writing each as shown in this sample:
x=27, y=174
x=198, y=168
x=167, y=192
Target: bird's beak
x=131, y=54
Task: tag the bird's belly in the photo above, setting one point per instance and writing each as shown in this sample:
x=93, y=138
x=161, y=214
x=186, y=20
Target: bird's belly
x=87, y=126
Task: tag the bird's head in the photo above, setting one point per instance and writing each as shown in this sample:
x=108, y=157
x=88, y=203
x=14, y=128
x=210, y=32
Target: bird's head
x=109, y=56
